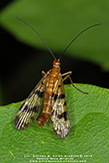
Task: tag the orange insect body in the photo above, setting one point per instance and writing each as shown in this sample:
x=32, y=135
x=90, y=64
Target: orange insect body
x=53, y=80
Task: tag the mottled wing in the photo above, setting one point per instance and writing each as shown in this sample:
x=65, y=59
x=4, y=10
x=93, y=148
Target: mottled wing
x=30, y=108
x=59, y=114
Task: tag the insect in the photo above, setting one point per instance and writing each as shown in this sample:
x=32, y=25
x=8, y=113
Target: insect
x=48, y=97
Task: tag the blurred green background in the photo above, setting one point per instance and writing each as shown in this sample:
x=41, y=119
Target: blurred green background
x=23, y=55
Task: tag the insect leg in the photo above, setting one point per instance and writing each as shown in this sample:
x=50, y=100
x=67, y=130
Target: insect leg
x=67, y=73
x=43, y=73
x=68, y=76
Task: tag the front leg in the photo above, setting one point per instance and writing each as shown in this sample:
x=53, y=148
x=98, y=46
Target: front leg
x=43, y=73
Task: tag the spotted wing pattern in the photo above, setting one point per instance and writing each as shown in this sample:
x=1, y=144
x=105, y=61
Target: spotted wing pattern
x=59, y=114
x=30, y=108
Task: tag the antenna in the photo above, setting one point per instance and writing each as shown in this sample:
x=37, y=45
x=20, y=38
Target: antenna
x=68, y=44
x=38, y=35
x=78, y=36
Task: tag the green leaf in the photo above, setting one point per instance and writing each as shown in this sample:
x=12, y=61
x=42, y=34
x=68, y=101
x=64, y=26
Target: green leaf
x=87, y=140
x=58, y=22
